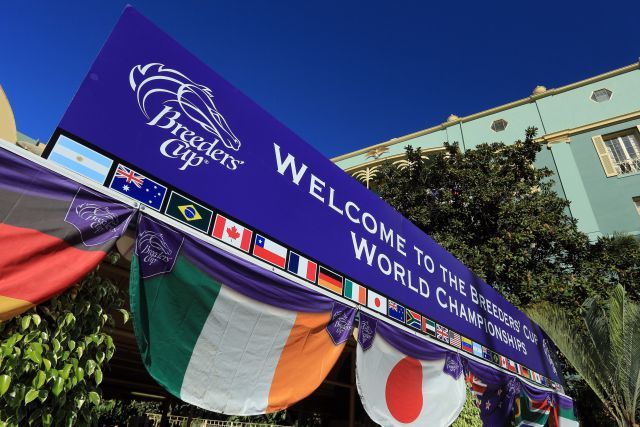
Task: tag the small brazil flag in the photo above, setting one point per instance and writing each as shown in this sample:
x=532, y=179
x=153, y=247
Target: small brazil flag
x=188, y=212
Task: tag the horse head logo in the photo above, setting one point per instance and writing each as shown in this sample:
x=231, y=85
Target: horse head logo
x=153, y=247
x=167, y=86
x=99, y=217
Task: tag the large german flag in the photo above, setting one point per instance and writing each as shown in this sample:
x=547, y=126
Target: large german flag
x=53, y=231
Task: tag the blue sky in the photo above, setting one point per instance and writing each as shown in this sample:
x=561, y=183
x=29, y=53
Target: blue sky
x=343, y=75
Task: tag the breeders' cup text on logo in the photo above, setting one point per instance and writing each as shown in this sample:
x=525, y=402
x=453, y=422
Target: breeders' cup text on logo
x=97, y=220
x=152, y=248
x=172, y=101
x=99, y=217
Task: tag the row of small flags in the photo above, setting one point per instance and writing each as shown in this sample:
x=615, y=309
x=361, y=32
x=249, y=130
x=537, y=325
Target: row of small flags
x=85, y=161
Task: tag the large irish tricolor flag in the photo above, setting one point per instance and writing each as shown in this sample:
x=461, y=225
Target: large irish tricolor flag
x=398, y=390
x=53, y=231
x=224, y=335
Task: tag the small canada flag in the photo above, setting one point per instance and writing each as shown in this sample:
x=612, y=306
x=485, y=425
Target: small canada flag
x=232, y=233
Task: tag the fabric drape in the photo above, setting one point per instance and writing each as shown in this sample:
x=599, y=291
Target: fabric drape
x=53, y=232
x=225, y=335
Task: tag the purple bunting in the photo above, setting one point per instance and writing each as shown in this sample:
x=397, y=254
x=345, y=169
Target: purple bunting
x=341, y=324
x=157, y=247
x=244, y=277
x=410, y=344
x=367, y=330
x=97, y=219
x=453, y=365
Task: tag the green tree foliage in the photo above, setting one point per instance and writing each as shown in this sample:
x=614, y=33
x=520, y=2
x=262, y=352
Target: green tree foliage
x=52, y=358
x=615, y=260
x=494, y=211
x=115, y=412
x=470, y=415
x=502, y=218
x=604, y=351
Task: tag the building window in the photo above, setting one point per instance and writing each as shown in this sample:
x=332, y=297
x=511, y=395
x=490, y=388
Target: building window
x=619, y=152
x=601, y=95
x=636, y=200
x=499, y=125
x=624, y=150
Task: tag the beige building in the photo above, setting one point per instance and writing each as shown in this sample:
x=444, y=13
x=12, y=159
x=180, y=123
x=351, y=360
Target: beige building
x=8, y=130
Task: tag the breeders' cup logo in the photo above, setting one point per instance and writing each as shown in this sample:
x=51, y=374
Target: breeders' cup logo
x=152, y=248
x=197, y=132
x=157, y=247
x=97, y=220
x=547, y=352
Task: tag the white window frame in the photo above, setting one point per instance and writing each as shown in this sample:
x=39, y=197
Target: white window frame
x=611, y=166
x=600, y=102
x=628, y=164
x=506, y=123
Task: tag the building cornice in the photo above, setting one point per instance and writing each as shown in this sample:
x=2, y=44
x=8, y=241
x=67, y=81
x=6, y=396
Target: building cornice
x=523, y=101
x=565, y=134
x=396, y=157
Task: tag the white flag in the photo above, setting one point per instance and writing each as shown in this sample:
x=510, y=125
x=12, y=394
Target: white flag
x=377, y=302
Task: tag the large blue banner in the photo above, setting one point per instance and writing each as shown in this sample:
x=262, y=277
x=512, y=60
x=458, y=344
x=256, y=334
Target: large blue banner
x=152, y=121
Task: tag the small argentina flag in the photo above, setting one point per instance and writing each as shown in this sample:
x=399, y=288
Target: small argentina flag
x=477, y=349
x=139, y=187
x=80, y=159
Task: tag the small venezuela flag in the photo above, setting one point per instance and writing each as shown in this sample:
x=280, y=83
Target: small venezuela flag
x=223, y=334
x=53, y=231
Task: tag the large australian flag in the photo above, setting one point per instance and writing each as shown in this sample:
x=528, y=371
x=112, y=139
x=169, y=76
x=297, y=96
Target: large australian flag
x=139, y=187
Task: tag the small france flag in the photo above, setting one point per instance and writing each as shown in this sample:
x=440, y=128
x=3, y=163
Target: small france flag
x=302, y=267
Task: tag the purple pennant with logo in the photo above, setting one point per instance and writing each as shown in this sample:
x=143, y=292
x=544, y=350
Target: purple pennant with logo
x=453, y=365
x=513, y=388
x=97, y=219
x=367, y=330
x=341, y=324
x=157, y=247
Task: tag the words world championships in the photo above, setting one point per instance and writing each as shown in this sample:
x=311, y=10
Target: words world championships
x=153, y=122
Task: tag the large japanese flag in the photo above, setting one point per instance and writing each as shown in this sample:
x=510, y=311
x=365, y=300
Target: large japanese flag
x=397, y=390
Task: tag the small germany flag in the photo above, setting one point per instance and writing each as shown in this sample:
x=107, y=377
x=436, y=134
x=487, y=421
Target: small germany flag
x=330, y=280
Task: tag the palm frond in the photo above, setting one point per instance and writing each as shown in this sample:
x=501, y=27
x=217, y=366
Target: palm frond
x=605, y=352
x=572, y=341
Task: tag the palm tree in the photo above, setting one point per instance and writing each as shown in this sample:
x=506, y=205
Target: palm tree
x=605, y=350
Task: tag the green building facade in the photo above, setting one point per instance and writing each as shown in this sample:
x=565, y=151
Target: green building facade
x=591, y=133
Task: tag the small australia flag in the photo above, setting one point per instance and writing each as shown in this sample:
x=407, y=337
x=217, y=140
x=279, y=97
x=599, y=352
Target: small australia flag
x=138, y=187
